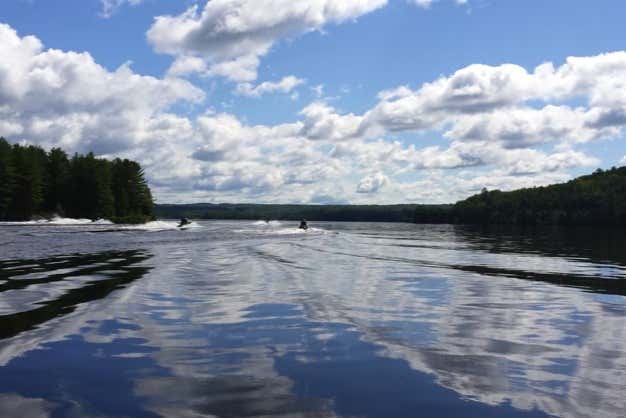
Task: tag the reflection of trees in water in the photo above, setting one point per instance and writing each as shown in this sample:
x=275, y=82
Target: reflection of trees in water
x=173, y=311
x=105, y=272
x=598, y=244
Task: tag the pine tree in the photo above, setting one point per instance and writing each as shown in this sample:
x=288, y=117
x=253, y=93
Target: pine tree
x=133, y=199
x=105, y=203
x=35, y=183
x=58, y=174
x=28, y=192
x=7, y=178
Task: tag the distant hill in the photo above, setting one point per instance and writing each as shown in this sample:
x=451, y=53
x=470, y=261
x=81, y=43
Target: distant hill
x=595, y=199
x=361, y=213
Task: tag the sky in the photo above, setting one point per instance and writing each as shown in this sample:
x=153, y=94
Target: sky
x=321, y=101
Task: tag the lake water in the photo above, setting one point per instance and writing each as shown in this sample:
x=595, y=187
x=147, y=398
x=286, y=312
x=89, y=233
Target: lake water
x=245, y=319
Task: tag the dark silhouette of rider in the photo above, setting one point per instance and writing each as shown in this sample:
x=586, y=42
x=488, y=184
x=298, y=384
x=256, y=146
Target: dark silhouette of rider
x=303, y=225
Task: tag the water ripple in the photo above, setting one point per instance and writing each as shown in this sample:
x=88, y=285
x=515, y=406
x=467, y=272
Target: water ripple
x=243, y=319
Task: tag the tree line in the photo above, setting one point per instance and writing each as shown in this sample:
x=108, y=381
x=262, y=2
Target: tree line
x=35, y=183
x=595, y=199
x=354, y=213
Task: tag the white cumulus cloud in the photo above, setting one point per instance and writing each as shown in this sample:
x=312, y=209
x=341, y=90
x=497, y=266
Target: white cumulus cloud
x=427, y=3
x=372, y=183
x=503, y=104
x=67, y=99
x=492, y=126
x=110, y=6
x=285, y=85
x=231, y=36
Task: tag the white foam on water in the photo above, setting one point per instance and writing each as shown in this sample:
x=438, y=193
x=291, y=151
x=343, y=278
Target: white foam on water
x=57, y=220
x=272, y=224
x=191, y=225
x=161, y=226
x=102, y=222
x=19, y=223
x=289, y=231
x=149, y=226
x=152, y=226
x=281, y=231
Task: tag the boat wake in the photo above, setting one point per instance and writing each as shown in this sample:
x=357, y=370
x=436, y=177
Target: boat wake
x=160, y=226
x=57, y=220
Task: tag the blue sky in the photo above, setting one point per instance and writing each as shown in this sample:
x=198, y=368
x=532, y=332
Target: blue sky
x=331, y=136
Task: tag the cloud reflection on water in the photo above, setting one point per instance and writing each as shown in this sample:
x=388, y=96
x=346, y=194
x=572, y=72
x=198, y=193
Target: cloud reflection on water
x=317, y=325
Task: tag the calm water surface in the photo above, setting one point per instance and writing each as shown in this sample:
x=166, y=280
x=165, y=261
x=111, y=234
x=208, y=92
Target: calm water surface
x=243, y=319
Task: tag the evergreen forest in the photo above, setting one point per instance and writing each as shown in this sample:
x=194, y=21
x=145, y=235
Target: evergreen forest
x=39, y=184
